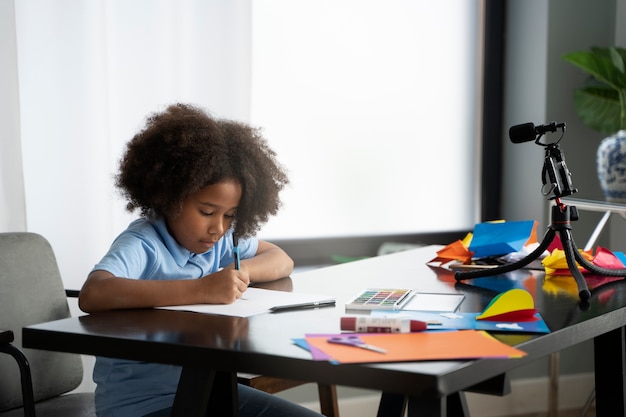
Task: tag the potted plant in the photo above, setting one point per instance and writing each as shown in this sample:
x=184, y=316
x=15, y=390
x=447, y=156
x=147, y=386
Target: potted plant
x=601, y=104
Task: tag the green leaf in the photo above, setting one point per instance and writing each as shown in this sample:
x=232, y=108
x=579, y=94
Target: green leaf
x=600, y=66
x=617, y=59
x=599, y=108
x=601, y=101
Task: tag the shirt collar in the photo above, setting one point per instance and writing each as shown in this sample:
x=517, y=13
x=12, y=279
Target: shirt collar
x=180, y=254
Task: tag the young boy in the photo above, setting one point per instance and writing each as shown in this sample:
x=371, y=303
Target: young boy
x=197, y=182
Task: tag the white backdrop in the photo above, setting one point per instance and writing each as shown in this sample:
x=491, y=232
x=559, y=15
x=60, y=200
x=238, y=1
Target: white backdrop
x=370, y=104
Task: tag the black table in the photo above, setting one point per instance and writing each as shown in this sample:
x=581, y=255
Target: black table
x=212, y=349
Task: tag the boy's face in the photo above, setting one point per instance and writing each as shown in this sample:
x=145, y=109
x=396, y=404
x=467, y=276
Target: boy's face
x=205, y=216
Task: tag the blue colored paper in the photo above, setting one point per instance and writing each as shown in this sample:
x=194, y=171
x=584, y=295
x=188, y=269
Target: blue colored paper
x=497, y=239
x=467, y=321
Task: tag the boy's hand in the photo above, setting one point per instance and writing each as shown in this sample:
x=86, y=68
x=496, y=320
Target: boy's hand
x=225, y=286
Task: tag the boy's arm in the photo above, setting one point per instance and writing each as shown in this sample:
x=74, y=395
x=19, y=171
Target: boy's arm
x=104, y=291
x=269, y=263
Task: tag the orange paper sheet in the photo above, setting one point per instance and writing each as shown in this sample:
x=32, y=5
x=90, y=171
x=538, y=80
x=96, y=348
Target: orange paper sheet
x=454, y=251
x=409, y=347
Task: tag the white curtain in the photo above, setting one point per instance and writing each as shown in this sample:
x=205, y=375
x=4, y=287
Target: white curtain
x=371, y=105
x=12, y=210
x=89, y=73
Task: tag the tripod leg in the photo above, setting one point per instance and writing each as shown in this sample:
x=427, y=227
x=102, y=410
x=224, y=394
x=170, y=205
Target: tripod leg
x=547, y=239
x=568, y=248
x=596, y=269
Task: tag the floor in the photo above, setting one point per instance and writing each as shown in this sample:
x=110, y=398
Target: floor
x=572, y=413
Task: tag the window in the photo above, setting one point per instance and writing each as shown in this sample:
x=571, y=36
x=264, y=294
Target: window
x=372, y=107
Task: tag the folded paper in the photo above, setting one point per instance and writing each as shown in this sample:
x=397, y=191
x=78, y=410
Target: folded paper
x=490, y=239
x=514, y=305
x=500, y=238
x=556, y=262
x=455, y=251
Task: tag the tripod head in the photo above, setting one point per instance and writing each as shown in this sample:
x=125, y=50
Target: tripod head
x=560, y=184
x=556, y=177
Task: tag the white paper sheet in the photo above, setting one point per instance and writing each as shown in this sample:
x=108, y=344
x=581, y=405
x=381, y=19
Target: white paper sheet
x=257, y=301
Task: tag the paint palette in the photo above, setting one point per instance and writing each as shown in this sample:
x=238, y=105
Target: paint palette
x=380, y=299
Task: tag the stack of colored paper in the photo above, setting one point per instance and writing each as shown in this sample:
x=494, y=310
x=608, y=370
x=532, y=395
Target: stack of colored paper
x=409, y=347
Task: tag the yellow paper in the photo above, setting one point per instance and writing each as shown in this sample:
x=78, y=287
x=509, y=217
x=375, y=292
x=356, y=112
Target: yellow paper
x=507, y=302
x=557, y=260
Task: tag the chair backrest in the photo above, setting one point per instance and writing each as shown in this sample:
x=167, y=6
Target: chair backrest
x=31, y=292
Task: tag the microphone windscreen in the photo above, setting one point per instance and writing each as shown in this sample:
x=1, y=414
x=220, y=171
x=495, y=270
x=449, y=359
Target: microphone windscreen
x=522, y=133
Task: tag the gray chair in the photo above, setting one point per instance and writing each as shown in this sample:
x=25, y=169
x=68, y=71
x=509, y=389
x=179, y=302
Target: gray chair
x=35, y=382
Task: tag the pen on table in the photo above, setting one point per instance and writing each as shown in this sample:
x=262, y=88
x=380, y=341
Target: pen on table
x=236, y=252
x=469, y=267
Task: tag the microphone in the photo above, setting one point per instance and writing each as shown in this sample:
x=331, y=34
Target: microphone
x=528, y=131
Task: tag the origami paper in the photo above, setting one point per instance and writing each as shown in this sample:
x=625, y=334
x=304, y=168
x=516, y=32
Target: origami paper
x=556, y=262
x=455, y=251
x=489, y=240
x=511, y=306
x=500, y=238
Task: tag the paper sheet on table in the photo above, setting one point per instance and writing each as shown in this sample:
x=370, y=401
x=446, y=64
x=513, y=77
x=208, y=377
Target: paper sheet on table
x=467, y=321
x=257, y=301
x=405, y=347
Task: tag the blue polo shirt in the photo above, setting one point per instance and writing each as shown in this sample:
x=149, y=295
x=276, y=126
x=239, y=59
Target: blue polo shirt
x=146, y=250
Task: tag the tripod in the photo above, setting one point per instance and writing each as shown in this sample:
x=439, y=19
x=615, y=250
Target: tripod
x=561, y=217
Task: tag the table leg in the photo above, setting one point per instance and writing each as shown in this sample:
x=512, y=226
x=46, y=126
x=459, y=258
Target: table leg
x=457, y=405
x=553, y=391
x=610, y=372
x=201, y=390
x=419, y=407
x=328, y=399
x=391, y=405
x=454, y=405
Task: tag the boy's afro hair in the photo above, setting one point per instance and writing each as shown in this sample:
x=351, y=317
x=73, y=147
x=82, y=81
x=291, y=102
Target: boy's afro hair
x=183, y=149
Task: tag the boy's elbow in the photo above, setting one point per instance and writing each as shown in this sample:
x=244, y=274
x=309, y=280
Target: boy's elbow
x=91, y=291
x=288, y=266
x=84, y=301
x=291, y=265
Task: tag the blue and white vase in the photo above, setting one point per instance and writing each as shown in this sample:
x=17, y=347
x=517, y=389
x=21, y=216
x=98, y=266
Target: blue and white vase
x=611, y=165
